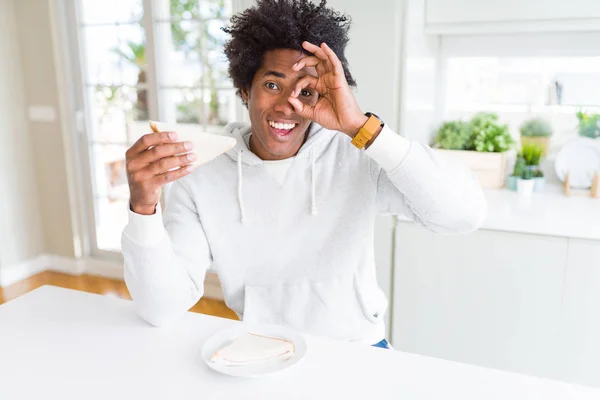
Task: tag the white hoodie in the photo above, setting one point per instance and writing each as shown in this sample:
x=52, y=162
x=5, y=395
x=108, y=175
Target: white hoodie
x=300, y=253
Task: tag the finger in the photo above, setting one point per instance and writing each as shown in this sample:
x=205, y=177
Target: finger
x=167, y=164
x=156, y=153
x=316, y=50
x=305, y=82
x=171, y=176
x=149, y=140
x=310, y=61
x=336, y=64
x=302, y=109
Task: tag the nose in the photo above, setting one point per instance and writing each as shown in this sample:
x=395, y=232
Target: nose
x=282, y=104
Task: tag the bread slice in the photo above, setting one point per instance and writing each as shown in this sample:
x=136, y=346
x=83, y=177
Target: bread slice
x=250, y=348
x=210, y=145
x=207, y=146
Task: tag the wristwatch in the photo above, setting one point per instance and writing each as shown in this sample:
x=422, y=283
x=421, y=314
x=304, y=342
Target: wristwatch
x=367, y=131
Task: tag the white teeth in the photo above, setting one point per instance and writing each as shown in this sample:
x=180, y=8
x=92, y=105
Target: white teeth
x=278, y=125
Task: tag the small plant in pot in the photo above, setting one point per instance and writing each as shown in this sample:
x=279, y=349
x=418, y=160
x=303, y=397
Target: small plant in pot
x=520, y=167
x=532, y=154
x=589, y=124
x=525, y=184
x=536, y=131
x=527, y=160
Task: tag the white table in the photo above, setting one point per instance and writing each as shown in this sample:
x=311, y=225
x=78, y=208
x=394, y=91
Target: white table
x=63, y=344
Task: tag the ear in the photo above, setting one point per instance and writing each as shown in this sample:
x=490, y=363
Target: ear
x=245, y=95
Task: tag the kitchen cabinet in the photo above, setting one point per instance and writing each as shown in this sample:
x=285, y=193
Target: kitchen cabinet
x=509, y=16
x=487, y=298
x=520, y=302
x=580, y=322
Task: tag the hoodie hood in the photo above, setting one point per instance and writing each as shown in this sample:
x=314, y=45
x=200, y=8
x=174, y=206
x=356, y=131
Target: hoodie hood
x=315, y=144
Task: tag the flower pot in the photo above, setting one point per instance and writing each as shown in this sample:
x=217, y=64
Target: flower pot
x=490, y=168
x=511, y=183
x=525, y=187
x=538, y=183
x=542, y=141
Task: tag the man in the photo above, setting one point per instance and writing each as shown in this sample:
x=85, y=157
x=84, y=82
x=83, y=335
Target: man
x=286, y=218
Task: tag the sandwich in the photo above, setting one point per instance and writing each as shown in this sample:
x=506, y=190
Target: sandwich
x=250, y=348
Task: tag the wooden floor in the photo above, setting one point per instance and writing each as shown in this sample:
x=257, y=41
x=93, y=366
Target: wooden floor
x=99, y=285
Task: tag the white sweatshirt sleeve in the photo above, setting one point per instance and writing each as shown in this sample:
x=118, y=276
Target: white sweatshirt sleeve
x=413, y=180
x=165, y=264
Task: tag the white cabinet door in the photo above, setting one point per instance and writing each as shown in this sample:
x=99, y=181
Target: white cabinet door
x=580, y=321
x=472, y=16
x=486, y=298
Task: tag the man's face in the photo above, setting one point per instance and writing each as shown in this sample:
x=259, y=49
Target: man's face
x=277, y=131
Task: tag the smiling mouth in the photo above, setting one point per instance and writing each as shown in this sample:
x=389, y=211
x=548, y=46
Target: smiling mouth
x=282, y=128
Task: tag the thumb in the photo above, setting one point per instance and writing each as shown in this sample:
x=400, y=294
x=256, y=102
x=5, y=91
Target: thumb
x=302, y=109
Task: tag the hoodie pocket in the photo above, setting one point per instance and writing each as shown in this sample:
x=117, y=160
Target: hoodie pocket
x=332, y=308
x=372, y=300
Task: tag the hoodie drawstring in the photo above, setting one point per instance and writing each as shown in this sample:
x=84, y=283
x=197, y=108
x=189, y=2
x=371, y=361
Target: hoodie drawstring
x=240, y=196
x=313, y=208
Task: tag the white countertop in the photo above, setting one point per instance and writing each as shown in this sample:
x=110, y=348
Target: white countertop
x=549, y=212
x=63, y=344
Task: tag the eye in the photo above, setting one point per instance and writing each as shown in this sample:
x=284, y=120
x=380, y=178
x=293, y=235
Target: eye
x=305, y=93
x=271, y=85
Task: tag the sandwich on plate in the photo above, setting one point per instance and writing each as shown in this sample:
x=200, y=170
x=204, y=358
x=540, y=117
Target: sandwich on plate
x=250, y=348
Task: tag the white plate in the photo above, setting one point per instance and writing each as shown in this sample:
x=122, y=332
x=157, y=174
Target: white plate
x=223, y=338
x=581, y=159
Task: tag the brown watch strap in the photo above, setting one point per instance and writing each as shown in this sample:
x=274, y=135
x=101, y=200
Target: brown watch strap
x=366, y=132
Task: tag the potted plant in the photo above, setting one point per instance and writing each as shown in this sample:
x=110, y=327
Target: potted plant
x=528, y=159
x=520, y=166
x=589, y=124
x=525, y=184
x=536, y=131
x=482, y=144
x=453, y=135
x=487, y=135
x=532, y=154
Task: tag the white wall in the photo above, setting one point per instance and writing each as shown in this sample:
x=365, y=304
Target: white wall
x=36, y=50
x=374, y=54
x=21, y=235
x=421, y=78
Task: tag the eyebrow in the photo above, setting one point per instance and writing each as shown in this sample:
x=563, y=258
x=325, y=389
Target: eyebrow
x=275, y=73
x=280, y=74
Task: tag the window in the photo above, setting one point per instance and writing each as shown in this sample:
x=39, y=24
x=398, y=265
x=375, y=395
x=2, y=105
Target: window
x=517, y=88
x=146, y=59
x=518, y=76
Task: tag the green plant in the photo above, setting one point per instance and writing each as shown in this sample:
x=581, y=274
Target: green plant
x=532, y=153
x=589, y=124
x=453, y=135
x=520, y=166
x=527, y=174
x=536, y=127
x=487, y=135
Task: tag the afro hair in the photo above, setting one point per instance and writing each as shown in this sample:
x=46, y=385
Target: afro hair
x=282, y=24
